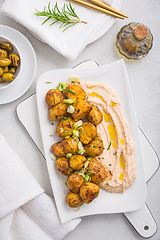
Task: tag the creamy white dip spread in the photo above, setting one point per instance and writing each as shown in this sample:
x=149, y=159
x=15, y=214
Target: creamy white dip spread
x=119, y=159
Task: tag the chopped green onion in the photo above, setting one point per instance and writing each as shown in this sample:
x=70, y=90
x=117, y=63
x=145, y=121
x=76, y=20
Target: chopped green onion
x=87, y=177
x=114, y=153
x=81, y=204
x=66, y=183
x=81, y=149
x=62, y=86
x=74, y=79
x=89, y=145
x=94, y=146
x=81, y=128
x=52, y=123
x=67, y=90
x=102, y=157
x=96, y=193
x=89, y=158
x=75, y=133
x=48, y=82
x=61, y=130
x=109, y=145
x=66, y=167
x=67, y=136
x=78, y=124
x=70, y=109
x=107, y=183
x=70, y=101
x=110, y=164
x=51, y=135
x=69, y=155
x=68, y=173
x=97, y=138
x=65, y=118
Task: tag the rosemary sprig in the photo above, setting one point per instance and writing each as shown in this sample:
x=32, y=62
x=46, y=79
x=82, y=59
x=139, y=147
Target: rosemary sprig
x=64, y=16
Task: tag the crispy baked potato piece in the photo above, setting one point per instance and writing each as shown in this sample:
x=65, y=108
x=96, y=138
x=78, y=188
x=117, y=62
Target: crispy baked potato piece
x=77, y=162
x=79, y=92
x=57, y=112
x=88, y=192
x=65, y=127
x=63, y=166
x=74, y=182
x=95, y=148
x=99, y=172
x=53, y=97
x=73, y=200
x=95, y=115
x=81, y=109
x=65, y=146
x=87, y=132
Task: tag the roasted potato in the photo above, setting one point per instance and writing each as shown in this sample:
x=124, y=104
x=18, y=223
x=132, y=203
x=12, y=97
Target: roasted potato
x=77, y=162
x=58, y=112
x=81, y=109
x=97, y=170
x=53, y=97
x=63, y=166
x=79, y=92
x=62, y=148
x=95, y=148
x=95, y=115
x=65, y=127
x=73, y=200
x=87, y=132
x=88, y=192
x=74, y=182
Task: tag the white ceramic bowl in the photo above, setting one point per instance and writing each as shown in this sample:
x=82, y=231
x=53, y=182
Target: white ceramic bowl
x=16, y=51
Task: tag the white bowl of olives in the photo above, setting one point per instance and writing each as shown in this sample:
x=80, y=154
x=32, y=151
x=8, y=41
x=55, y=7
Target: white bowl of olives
x=10, y=62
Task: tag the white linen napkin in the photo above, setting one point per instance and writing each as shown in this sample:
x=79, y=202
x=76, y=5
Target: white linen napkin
x=69, y=43
x=26, y=212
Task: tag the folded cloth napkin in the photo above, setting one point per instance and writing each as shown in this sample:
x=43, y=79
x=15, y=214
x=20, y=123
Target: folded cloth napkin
x=69, y=43
x=26, y=212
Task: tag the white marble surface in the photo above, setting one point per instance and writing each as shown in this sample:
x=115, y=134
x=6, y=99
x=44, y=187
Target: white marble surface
x=144, y=78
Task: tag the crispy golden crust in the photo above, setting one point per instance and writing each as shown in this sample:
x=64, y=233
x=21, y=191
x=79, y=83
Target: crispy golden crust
x=79, y=92
x=74, y=182
x=95, y=148
x=95, y=116
x=73, y=200
x=99, y=172
x=63, y=166
x=57, y=112
x=88, y=132
x=64, y=147
x=81, y=109
x=77, y=162
x=88, y=192
x=53, y=97
x=65, y=127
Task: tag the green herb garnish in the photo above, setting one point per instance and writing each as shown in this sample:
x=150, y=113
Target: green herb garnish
x=66, y=16
x=114, y=153
x=109, y=145
x=69, y=91
x=110, y=164
x=51, y=135
x=48, y=82
x=97, y=138
x=96, y=193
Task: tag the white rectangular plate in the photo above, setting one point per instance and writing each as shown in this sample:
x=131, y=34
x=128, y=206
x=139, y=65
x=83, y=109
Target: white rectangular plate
x=115, y=75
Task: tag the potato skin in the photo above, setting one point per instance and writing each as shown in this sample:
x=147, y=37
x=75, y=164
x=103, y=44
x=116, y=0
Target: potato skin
x=53, y=97
x=73, y=200
x=57, y=112
x=81, y=109
x=88, y=133
x=89, y=191
x=65, y=146
x=99, y=172
x=79, y=92
x=63, y=166
x=95, y=148
x=77, y=162
x=65, y=127
x=95, y=115
x=74, y=182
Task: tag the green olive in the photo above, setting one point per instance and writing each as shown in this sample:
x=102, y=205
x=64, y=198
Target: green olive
x=14, y=59
x=4, y=62
x=6, y=46
x=1, y=80
x=8, y=77
x=12, y=70
x=5, y=69
x=3, y=53
x=1, y=71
